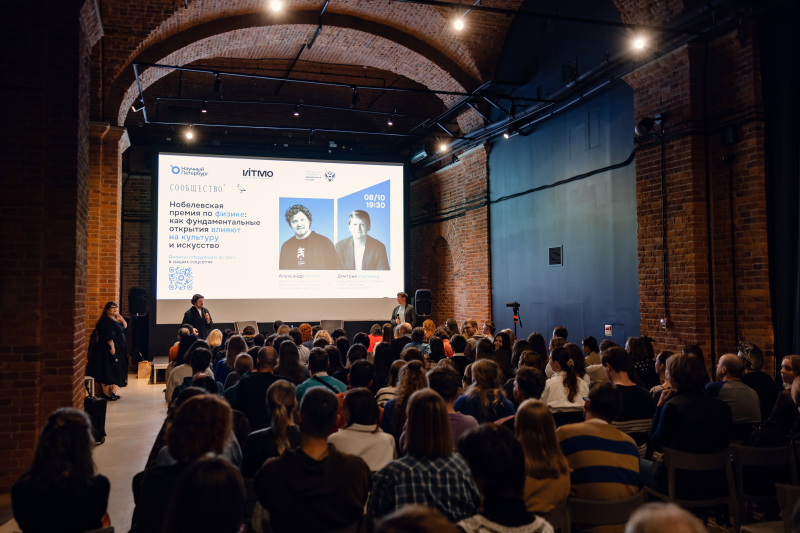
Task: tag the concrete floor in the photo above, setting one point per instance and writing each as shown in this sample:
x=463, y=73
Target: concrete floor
x=132, y=424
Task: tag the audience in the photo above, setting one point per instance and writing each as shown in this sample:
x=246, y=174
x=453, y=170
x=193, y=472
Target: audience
x=209, y=498
x=516, y=352
x=418, y=341
x=184, y=345
x=382, y=359
x=661, y=368
x=437, y=350
x=318, y=366
x=388, y=334
x=502, y=352
x=362, y=375
x=742, y=400
x=183, y=369
x=430, y=328
x=334, y=359
x=251, y=396
x=61, y=492
x=241, y=368
x=604, y=461
x=591, y=350
x=416, y=519
x=555, y=343
x=289, y=365
x=528, y=384
x=202, y=424
x=688, y=420
x=356, y=352
x=200, y=359
x=644, y=365
x=236, y=346
x=564, y=391
x=430, y=474
x=361, y=434
x=459, y=344
x=443, y=333
x=753, y=377
x=411, y=379
x=173, y=351
x=638, y=406
x=560, y=331
x=400, y=342
x=314, y=487
x=281, y=435
x=483, y=349
x=579, y=362
x=663, y=518
x=485, y=400
x=390, y=391
x=546, y=469
x=497, y=464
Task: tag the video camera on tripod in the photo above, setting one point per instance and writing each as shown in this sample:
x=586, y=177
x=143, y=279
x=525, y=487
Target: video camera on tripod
x=515, y=306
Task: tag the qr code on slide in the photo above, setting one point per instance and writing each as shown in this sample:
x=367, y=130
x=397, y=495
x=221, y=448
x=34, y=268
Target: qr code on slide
x=180, y=278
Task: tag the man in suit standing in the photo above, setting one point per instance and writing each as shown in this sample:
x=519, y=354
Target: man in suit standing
x=404, y=312
x=198, y=317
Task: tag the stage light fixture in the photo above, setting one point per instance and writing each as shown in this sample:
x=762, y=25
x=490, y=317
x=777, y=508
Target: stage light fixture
x=391, y=119
x=354, y=99
x=217, y=84
x=297, y=110
x=459, y=24
x=276, y=5
x=204, y=109
x=509, y=132
x=442, y=146
x=189, y=133
x=638, y=43
x=137, y=109
x=646, y=125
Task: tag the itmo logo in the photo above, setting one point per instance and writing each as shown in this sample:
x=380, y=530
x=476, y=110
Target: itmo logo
x=176, y=170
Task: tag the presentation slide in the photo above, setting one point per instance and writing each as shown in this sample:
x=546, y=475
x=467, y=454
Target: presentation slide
x=266, y=239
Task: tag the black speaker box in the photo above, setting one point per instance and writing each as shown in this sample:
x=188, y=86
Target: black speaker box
x=137, y=301
x=423, y=302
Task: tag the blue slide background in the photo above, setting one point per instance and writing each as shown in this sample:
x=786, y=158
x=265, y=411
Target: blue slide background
x=379, y=218
x=321, y=210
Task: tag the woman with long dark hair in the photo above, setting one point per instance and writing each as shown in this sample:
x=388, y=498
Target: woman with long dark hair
x=334, y=359
x=519, y=347
x=388, y=333
x=236, y=346
x=361, y=434
x=437, y=350
x=502, y=352
x=644, y=366
x=564, y=391
x=485, y=399
x=289, y=364
x=483, y=349
x=61, y=492
x=412, y=378
x=108, y=364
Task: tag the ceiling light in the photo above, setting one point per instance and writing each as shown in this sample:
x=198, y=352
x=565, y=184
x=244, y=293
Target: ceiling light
x=459, y=24
x=443, y=146
x=137, y=109
x=297, y=110
x=354, y=99
x=189, y=133
x=391, y=119
x=509, y=132
x=276, y=5
x=217, y=84
x=204, y=108
x=638, y=43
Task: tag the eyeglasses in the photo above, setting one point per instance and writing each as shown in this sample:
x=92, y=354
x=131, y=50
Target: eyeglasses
x=585, y=399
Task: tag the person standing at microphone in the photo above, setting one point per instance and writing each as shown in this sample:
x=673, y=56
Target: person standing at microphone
x=198, y=317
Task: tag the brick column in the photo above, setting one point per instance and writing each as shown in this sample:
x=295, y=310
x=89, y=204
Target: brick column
x=451, y=258
x=105, y=218
x=44, y=148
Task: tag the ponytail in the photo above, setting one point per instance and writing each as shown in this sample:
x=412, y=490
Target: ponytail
x=280, y=420
x=562, y=357
x=281, y=400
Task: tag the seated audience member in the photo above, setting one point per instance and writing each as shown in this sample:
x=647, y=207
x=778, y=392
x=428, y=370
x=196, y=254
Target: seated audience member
x=375, y=336
x=416, y=519
x=529, y=384
x=334, y=359
x=289, y=363
x=390, y=391
x=307, y=332
x=688, y=420
x=483, y=350
x=644, y=365
x=753, y=377
x=60, y=492
x=251, y=397
x=430, y=328
x=538, y=345
x=696, y=350
x=199, y=362
x=497, y=463
x=661, y=367
x=249, y=336
x=324, y=335
x=338, y=332
x=413, y=354
x=485, y=400
x=202, y=424
x=362, y=375
x=560, y=332
x=281, y=435
x=355, y=353
x=452, y=327
x=784, y=412
x=579, y=361
x=318, y=367
x=502, y=352
x=210, y=484
x=638, y=406
x=605, y=344
x=259, y=340
x=443, y=333
x=184, y=369
x=400, y=342
x=297, y=338
x=382, y=359
x=437, y=350
x=604, y=461
x=546, y=468
x=564, y=391
x=344, y=346
x=445, y=382
x=418, y=341
x=663, y=518
x=270, y=340
x=411, y=379
x=591, y=350
x=314, y=487
x=458, y=343
x=214, y=339
x=161, y=438
x=173, y=352
x=729, y=388
x=431, y=474
x=361, y=434
x=236, y=346
x=284, y=329
x=555, y=343
x=275, y=325
x=516, y=352
x=469, y=352
x=241, y=368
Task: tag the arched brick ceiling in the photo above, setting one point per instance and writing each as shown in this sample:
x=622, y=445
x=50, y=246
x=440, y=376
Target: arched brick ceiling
x=335, y=45
x=653, y=11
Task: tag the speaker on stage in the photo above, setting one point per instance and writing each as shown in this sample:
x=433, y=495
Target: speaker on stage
x=137, y=301
x=423, y=302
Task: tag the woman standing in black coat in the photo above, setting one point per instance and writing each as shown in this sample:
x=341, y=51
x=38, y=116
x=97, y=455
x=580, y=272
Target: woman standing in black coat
x=108, y=364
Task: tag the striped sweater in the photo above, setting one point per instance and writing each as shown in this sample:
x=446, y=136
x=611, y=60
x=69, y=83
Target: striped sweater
x=604, y=463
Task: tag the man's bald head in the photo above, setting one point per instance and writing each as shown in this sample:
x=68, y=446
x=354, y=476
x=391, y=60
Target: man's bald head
x=730, y=366
x=267, y=358
x=406, y=328
x=663, y=518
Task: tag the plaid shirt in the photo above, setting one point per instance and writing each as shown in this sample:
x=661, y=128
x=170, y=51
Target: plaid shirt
x=444, y=484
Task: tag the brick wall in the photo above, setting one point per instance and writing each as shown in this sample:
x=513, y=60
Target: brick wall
x=136, y=235
x=451, y=258
x=45, y=216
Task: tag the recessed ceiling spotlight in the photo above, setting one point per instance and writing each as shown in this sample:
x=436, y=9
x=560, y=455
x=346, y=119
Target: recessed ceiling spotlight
x=204, y=109
x=189, y=133
x=459, y=24
x=276, y=5
x=638, y=43
x=297, y=110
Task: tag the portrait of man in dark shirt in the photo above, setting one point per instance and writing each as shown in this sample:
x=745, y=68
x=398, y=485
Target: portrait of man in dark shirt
x=306, y=250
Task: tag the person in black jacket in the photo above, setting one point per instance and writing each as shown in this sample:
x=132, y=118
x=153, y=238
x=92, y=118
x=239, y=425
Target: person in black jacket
x=198, y=317
x=360, y=251
x=753, y=359
x=61, y=492
x=251, y=397
x=108, y=364
x=404, y=312
x=400, y=342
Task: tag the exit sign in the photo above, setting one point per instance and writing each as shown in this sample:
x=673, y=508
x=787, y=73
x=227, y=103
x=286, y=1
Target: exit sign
x=608, y=330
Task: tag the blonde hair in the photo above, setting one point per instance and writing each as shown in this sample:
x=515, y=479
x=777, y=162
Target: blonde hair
x=283, y=330
x=322, y=334
x=536, y=431
x=214, y=338
x=557, y=342
x=487, y=385
x=426, y=410
x=429, y=328
x=281, y=402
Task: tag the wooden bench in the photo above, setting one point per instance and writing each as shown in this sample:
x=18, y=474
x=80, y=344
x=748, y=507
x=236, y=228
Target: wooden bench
x=160, y=363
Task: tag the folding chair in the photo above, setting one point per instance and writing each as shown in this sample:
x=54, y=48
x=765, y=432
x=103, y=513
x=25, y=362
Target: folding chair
x=602, y=512
x=760, y=457
x=558, y=517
